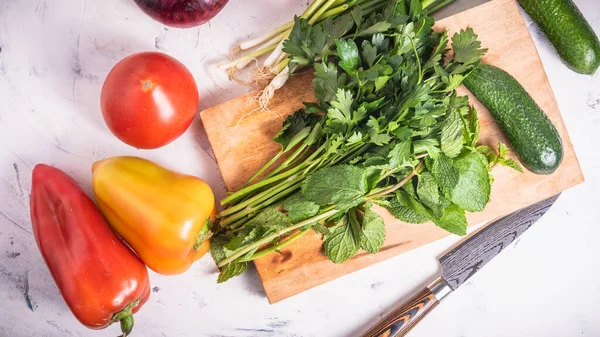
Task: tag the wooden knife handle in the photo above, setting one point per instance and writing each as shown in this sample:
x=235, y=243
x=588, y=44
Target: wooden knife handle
x=399, y=322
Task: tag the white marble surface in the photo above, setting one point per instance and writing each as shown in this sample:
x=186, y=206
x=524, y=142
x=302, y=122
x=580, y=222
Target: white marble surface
x=54, y=57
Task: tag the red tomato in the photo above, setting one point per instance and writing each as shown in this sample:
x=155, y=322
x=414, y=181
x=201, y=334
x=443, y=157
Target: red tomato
x=149, y=99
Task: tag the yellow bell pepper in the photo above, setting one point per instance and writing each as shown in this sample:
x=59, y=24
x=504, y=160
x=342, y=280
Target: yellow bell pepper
x=163, y=215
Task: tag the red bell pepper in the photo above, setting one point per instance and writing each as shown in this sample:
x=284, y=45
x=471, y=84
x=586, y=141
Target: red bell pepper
x=100, y=278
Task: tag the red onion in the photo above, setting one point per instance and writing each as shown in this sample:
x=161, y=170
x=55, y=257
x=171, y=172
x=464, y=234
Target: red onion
x=181, y=13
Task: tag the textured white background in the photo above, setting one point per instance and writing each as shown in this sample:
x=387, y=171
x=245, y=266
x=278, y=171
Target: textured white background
x=54, y=57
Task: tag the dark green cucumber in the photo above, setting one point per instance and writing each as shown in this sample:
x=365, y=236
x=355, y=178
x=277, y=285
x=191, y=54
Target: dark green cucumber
x=569, y=32
x=529, y=131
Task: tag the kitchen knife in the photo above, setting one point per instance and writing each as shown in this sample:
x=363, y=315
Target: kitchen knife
x=458, y=265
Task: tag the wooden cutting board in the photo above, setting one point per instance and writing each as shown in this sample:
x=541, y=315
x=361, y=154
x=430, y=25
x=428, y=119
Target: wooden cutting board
x=240, y=136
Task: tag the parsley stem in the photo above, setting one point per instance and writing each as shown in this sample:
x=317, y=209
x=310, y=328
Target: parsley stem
x=275, y=235
x=262, y=183
x=412, y=42
x=265, y=167
x=287, y=162
x=256, y=199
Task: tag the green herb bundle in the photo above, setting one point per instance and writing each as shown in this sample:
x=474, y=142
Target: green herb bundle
x=388, y=130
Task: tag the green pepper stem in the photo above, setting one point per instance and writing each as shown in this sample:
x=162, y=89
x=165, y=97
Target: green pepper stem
x=125, y=317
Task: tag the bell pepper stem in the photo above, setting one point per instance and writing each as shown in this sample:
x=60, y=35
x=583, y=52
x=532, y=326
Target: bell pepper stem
x=127, y=325
x=125, y=318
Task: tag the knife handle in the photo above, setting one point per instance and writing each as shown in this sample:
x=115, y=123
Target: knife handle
x=399, y=322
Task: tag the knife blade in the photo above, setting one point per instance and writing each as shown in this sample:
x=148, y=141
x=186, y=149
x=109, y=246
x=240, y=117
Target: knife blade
x=458, y=265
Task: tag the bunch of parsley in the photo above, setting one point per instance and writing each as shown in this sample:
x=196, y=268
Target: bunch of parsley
x=388, y=130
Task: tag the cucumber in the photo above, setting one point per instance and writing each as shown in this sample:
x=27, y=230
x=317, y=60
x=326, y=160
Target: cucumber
x=529, y=131
x=568, y=31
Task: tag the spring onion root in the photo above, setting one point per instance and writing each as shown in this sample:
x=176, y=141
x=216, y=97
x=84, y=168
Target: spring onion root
x=275, y=68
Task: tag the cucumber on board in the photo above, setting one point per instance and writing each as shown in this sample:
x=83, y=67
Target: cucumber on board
x=529, y=131
x=569, y=32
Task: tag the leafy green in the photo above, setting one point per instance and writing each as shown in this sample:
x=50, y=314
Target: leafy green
x=430, y=195
x=232, y=270
x=403, y=213
x=299, y=208
x=444, y=172
x=414, y=205
x=400, y=155
x=387, y=128
x=472, y=191
x=344, y=241
x=348, y=53
x=452, y=135
x=453, y=220
x=344, y=186
x=373, y=232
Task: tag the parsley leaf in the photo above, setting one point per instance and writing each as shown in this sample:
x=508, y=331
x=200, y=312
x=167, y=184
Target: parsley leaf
x=467, y=50
x=348, y=54
x=326, y=81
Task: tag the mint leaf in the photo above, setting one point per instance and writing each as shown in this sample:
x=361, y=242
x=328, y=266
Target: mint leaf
x=342, y=185
x=452, y=135
x=404, y=213
x=444, y=172
x=348, y=54
x=373, y=232
x=268, y=221
x=429, y=194
x=231, y=270
x=414, y=205
x=217, y=250
x=509, y=162
x=430, y=145
x=344, y=241
x=472, y=134
x=400, y=154
x=472, y=191
x=321, y=229
x=454, y=220
x=299, y=208
x=502, y=150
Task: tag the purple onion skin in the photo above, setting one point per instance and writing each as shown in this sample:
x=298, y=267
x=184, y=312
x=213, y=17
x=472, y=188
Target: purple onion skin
x=182, y=13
